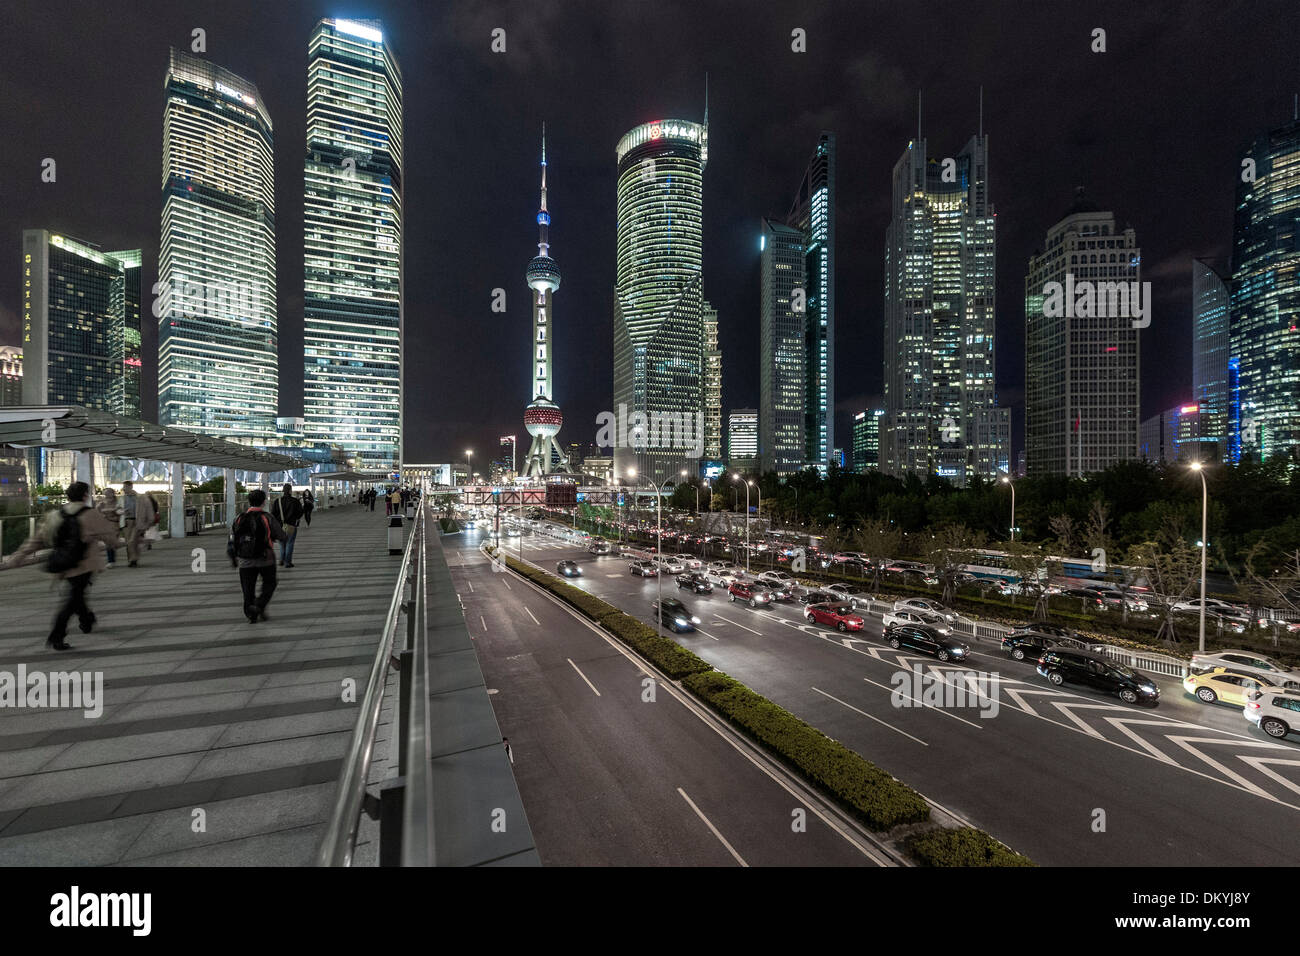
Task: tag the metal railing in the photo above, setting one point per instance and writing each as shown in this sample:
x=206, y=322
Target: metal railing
x=339, y=842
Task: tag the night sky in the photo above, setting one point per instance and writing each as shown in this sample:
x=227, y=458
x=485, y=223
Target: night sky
x=1152, y=128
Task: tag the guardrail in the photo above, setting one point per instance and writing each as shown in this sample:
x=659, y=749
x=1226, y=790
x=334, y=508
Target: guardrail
x=340, y=839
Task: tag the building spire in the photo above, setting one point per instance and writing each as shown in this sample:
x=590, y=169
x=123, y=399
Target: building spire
x=981, y=111
x=543, y=217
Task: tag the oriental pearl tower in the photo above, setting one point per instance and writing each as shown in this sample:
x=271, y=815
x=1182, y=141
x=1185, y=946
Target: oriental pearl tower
x=542, y=417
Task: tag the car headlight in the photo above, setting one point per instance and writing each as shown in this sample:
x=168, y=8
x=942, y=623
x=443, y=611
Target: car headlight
x=695, y=620
x=682, y=622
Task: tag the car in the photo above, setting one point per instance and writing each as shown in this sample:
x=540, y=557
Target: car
x=569, y=569
x=1061, y=665
x=814, y=596
x=1249, y=662
x=689, y=562
x=1114, y=597
x=839, y=616
x=917, y=616
x=1211, y=604
x=695, y=582
x=926, y=639
x=776, y=578
x=674, y=614
x=645, y=569
x=1276, y=711
x=750, y=591
x=850, y=592
x=924, y=604
x=1022, y=644
x=1090, y=599
x=1222, y=684
x=669, y=564
x=598, y=546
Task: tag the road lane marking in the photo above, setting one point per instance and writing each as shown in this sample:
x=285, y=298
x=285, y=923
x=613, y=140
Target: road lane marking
x=721, y=838
x=871, y=717
x=741, y=626
x=507, y=584
x=471, y=585
x=530, y=614
x=483, y=622
x=706, y=634
x=583, y=676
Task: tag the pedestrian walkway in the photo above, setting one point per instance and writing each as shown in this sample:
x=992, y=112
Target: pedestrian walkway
x=220, y=741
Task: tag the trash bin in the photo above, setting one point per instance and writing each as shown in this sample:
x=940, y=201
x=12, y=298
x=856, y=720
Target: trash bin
x=410, y=509
x=396, y=534
x=192, y=521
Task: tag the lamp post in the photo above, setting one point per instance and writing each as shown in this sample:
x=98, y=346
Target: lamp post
x=1009, y=483
x=738, y=478
x=758, y=489
x=469, y=469
x=659, y=544
x=1205, y=543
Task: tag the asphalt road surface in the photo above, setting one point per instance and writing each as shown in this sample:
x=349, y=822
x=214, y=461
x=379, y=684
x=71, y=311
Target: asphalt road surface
x=611, y=777
x=1067, y=776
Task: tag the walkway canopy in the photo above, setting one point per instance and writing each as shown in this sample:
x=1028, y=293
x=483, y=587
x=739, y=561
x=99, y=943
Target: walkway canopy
x=74, y=428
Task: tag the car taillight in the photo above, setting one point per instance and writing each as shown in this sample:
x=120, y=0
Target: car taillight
x=1253, y=705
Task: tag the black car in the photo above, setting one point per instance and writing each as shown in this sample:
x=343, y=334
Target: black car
x=1062, y=665
x=1022, y=644
x=695, y=581
x=818, y=597
x=569, y=569
x=1091, y=599
x=928, y=640
x=674, y=614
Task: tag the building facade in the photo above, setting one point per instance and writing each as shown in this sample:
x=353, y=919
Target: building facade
x=866, y=440
x=742, y=438
x=352, y=258
x=11, y=375
x=216, y=307
x=712, y=387
x=1265, y=293
x=81, y=325
x=659, y=311
x=1175, y=435
x=813, y=214
x=941, y=408
x=783, y=322
x=1210, y=354
x=1082, y=356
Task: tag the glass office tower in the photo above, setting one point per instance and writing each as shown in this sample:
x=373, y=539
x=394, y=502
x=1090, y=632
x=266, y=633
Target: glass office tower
x=215, y=305
x=813, y=213
x=659, y=310
x=81, y=324
x=352, y=259
x=1210, y=344
x=1264, y=326
x=712, y=386
x=942, y=415
x=782, y=342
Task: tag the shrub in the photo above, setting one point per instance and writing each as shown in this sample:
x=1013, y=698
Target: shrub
x=961, y=846
x=881, y=801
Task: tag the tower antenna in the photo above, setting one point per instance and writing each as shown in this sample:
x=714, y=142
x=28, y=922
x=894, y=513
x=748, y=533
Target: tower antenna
x=918, y=115
x=981, y=111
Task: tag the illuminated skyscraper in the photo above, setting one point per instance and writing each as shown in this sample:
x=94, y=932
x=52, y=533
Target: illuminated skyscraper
x=542, y=417
x=942, y=415
x=659, y=310
x=866, y=440
x=81, y=325
x=1265, y=312
x=352, y=260
x=216, y=310
x=1210, y=344
x=813, y=214
x=712, y=387
x=782, y=327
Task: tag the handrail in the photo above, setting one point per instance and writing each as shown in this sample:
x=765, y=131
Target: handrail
x=417, y=801
x=339, y=841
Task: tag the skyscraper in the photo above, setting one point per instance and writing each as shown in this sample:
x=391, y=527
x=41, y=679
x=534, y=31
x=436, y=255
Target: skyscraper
x=782, y=327
x=81, y=324
x=1265, y=294
x=659, y=310
x=217, y=327
x=942, y=415
x=352, y=260
x=1082, y=360
x=866, y=440
x=542, y=417
x=11, y=375
x=742, y=437
x=1210, y=344
x=813, y=214
x=712, y=386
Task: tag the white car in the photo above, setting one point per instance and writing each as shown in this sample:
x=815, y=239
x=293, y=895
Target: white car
x=1275, y=710
x=924, y=604
x=670, y=564
x=1249, y=662
x=929, y=618
x=689, y=562
x=1211, y=604
x=776, y=577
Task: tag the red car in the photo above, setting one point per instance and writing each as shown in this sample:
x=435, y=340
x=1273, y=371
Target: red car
x=839, y=616
x=751, y=591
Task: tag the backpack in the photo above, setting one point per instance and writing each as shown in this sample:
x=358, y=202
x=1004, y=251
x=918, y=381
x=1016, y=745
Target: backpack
x=250, y=539
x=69, y=549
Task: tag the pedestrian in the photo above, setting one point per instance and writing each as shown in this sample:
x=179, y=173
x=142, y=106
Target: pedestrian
x=288, y=511
x=112, y=512
x=371, y=496
x=252, y=550
x=395, y=502
x=308, y=505
x=73, y=533
x=140, y=516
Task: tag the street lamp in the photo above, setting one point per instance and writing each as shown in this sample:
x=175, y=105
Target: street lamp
x=1205, y=543
x=659, y=544
x=1009, y=483
x=759, y=489
x=469, y=471
x=738, y=478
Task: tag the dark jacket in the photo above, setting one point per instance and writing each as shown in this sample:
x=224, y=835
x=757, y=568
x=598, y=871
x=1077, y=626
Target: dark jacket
x=287, y=509
x=274, y=531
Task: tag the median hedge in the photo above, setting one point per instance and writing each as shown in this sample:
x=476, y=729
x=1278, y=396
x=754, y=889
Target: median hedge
x=961, y=846
x=881, y=801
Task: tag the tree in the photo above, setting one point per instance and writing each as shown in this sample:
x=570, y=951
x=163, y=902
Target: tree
x=1062, y=526
x=718, y=502
x=1095, y=532
x=1173, y=568
x=879, y=542
x=1030, y=566
x=1278, y=589
x=954, y=545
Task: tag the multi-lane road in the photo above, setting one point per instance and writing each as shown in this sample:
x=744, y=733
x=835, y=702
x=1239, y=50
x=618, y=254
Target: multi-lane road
x=1064, y=775
x=617, y=768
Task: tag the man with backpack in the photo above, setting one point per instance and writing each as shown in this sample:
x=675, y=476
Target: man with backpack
x=252, y=550
x=73, y=534
x=288, y=511
x=140, y=515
